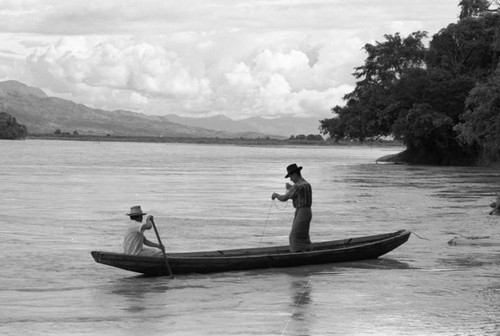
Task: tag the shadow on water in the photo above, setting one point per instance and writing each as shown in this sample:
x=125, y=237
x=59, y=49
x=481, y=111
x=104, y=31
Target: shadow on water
x=136, y=286
x=134, y=291
x=310, y=270
x=140, y=283
x=137, y=294
x=380, y=264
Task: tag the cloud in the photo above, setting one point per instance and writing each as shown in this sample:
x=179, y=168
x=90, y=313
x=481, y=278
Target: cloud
x=119, y=65
x=240, y=58
x=275, y=83
x=113, y=17
x=124, y=73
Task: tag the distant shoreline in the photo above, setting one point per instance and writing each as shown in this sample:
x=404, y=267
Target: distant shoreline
x=214, y=141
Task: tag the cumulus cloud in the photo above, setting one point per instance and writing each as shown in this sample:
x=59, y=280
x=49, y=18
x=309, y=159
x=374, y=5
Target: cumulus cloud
x=125, y=73
x=120, y=66
x=240, y=58
x=276, y=83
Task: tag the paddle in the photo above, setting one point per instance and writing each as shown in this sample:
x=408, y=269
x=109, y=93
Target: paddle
x=163, y=250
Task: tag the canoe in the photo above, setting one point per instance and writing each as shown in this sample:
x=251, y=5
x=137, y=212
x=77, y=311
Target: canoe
x=351, y=249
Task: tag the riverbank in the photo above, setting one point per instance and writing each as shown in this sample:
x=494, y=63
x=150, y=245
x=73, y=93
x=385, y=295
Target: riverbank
x=403, y=158
x=216, y=141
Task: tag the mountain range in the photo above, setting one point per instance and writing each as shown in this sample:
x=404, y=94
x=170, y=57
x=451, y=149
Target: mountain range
x=42, y=114
x=284, y=126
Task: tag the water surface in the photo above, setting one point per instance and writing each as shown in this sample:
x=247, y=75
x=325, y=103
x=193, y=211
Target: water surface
x=60, y=200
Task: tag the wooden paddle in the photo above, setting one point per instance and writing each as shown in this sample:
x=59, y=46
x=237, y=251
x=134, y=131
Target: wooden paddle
x=163, y=250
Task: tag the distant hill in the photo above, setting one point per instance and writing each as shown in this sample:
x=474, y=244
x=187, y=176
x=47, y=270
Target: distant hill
x=44, y=115
x=285, y=126
x=12, y=86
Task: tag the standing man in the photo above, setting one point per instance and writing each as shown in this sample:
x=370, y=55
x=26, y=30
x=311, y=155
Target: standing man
x=134, y=240
x=301, y=194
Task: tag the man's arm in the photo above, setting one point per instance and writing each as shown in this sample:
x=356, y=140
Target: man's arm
x=150, y=243
x=147, y=226
x=282, y=198
x=285, y=197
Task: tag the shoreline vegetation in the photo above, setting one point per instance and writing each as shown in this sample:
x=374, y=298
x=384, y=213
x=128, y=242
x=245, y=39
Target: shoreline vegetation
x=266, y=141
x=404, y=158
x=439, y=96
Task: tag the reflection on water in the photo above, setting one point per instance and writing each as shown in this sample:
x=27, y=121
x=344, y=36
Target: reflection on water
x=134, y=292
x=298, y=323
x=380, y=264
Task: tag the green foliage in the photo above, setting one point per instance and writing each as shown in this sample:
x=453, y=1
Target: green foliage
x=421, y=95
x=423, y=127
x=466, y=48
x=310, y=137
x=10, y=129
x=371, y=109
x=480, y=126
x=387, y=61
x=473, y=8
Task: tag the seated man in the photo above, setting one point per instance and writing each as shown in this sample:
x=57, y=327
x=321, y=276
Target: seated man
x=134, y=240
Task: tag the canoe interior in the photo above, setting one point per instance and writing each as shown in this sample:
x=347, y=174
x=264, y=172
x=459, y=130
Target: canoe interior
x=351, y=249
x=285, y=249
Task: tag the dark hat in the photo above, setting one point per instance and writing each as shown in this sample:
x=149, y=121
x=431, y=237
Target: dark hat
x=292, y=169
x=136, y=211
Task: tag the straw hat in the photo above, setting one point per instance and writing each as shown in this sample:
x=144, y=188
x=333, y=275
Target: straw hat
x=292, y=169
x=136, y=211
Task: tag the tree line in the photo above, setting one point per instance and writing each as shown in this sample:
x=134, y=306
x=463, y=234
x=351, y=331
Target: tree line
x=442, y=100
x=10, y=129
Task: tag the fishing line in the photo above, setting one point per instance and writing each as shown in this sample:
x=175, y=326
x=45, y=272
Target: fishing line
x=267, y=219
x=296, y=305
x=419, y=236
x=277, y=207
x=273, y=202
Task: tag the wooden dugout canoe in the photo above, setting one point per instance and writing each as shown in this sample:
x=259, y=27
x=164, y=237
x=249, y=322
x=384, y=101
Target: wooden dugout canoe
x=343, y=250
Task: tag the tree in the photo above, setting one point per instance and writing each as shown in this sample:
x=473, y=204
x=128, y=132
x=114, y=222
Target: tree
x=314, y=137
x=466, y=48
x=333, y=127
x=419, y=95
x=480, y=126
x=370, y=110
x=10, y=129
x=388, y=60
x=473, y=8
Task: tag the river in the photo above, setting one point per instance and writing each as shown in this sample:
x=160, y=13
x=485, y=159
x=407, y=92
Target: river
x=62, y=199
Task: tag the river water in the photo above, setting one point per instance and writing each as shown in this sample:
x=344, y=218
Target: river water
x=59, y=200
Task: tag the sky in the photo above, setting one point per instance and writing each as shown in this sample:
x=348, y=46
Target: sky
x=239, y=58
